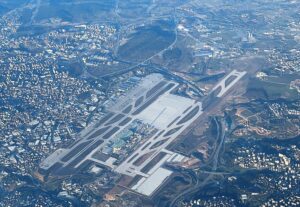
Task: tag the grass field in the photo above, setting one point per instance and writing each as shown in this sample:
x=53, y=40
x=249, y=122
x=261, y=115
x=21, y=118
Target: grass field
x=272, y=88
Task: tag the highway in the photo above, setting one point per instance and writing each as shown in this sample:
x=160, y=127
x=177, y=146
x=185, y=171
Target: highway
x=198, y=185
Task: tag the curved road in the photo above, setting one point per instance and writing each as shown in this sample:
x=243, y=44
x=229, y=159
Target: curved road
x=220, y=137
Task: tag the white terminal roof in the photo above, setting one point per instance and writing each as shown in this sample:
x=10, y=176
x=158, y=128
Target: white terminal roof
x=164, y=110
x=152, y=183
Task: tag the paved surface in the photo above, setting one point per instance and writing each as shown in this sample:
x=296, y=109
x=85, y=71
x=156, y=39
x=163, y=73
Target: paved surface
x=151, y=103
x=223, y=87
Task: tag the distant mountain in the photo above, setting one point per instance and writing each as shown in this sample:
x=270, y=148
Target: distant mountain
x=6, y=5
x=74, y=10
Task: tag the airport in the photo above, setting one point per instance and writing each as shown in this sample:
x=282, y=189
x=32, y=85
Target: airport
x=132, y=137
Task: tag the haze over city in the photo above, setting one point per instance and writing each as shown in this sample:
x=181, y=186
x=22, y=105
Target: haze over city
x=145, y=103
